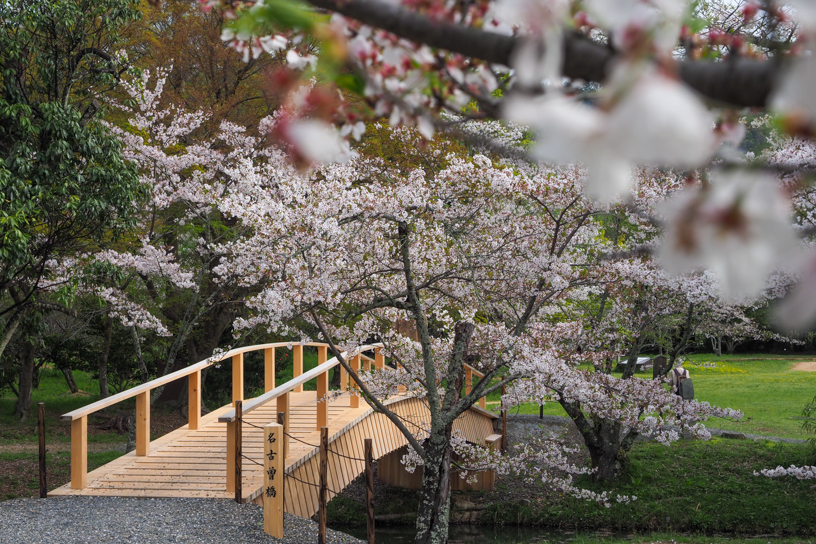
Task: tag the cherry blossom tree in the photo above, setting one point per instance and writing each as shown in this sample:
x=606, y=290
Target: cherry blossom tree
x=171, y=278
x=477, y=254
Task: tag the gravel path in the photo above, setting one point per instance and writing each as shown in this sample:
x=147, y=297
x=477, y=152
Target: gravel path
x=102, y=520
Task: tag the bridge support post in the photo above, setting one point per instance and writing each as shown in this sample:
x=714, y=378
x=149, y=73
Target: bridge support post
x=269, y=369
x=238, y=377
x=274, y=476
x=79, y=452
x=231, y=456
x=379, y=359
x=322, y=392
x=194, y=401
x=355, y=396
x=322, y=400
x=323, y=490
x=297, y=366
x=143, y=423
x=369, y=478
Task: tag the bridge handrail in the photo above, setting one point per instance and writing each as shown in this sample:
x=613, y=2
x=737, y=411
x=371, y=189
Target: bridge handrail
x=259, y=401
x=152, y=384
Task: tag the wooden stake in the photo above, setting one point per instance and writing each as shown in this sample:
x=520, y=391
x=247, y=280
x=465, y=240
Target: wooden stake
x=283, y=419
x=239, y=412
x=41, y=426
x=369, y=477
x=323, y=490
x=274, y=478
x=284, y=448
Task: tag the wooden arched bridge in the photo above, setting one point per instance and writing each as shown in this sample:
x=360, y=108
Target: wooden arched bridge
x=198, y=459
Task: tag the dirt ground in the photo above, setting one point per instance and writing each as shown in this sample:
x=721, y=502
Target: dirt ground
x=806, y=366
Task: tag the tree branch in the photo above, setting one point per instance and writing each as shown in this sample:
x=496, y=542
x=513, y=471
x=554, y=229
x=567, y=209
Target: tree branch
x=737, y=81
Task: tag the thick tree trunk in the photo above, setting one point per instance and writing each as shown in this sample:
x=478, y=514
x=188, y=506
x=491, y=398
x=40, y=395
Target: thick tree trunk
x=69, y=379
x=608, y=459
x=25, y=386
x=607, y=441
x=730, y=345
x=434, y=500
x=104, y=392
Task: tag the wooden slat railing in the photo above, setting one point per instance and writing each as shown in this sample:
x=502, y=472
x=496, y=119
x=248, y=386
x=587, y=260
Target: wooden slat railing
x=79, y=417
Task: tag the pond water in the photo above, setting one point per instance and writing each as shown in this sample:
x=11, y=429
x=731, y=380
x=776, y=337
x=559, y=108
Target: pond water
x=470, y=534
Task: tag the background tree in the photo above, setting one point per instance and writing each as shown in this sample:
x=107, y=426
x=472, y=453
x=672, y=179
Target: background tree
x=64, y=183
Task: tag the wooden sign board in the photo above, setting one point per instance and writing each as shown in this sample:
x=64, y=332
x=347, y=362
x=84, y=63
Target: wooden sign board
x=273, y=480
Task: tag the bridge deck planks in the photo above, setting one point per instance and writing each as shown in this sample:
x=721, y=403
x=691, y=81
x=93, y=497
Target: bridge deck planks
x=186, y=463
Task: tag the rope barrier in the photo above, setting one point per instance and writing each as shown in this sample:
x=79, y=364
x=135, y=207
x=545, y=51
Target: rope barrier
x=346, y=456
x=302, y=481
x=311, y=484
x=244, y=422
x=301, y=441
x=251, y=460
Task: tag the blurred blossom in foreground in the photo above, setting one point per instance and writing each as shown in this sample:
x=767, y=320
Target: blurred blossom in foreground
x=738, y=226
x=659, y=121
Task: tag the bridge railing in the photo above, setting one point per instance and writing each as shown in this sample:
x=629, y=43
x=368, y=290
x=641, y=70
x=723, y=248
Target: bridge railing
x=79, y=417
x=280, y=393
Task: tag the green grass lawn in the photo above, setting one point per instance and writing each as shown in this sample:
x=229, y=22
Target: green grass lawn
x=695, y=486
x=764, y=387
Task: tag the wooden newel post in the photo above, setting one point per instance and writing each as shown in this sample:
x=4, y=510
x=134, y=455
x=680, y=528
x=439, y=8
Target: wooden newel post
x=143, y=423
x=323, y=490
x=239, y=412
x=41, y=427
x=194, y=401
x=274, y=477
x=369, y=478
x=79, y=452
